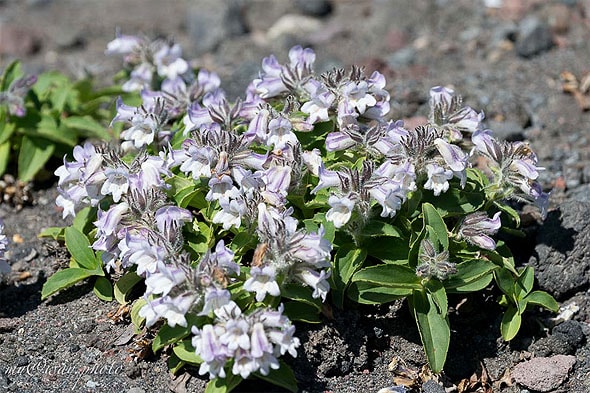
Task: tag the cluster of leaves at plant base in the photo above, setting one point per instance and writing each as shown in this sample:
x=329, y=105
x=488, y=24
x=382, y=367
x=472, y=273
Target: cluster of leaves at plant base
x=57, y=114
x=245, y=204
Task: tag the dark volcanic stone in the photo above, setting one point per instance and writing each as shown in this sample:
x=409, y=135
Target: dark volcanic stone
x=571, y=331
x=562, y=254
x=534, y=37
x=431, y=386
x=314, y=7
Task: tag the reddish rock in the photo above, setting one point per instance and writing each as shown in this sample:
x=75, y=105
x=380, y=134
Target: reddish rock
x=18, y=41
x=543, y=374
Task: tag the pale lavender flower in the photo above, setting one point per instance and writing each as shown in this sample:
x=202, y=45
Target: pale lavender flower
x=169, y=221
x=280, y=133
x=169, y=62
x=340, y=210
x=454, y=157
x=136, y=249
x=4, y=266
x=446, y=111
x=123, y=44
x=116, y=183
x=215, y=298
x=320, y=103
x=276, y=79
x=164, y=279
x=208, y=346
x=177, y=308
x=197, y=159
x=153, y=310
x=477, y=228
x=231, y=214
x=438, y=179
x=263, y=282
x=221, y=188
x=252, y=341
x=14, y=97
x=147, y=123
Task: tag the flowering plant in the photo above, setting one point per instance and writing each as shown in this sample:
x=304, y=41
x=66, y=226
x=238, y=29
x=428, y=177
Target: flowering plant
x=4, y=266
x=241, y=218
x=44, y=116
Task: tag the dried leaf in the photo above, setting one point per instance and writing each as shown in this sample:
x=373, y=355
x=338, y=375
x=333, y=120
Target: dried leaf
x=23, y=276
x=126, y=336
x=178, y=383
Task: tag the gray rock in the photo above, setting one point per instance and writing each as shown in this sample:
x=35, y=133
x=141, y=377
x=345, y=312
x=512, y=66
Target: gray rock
x=543, y=374
x=211, y=21
x=580, y=194
x=136, y=390
x=314, y=7
x=431, y=386
x=260, y=15
x=402, y=58
x=534, y=37
x=509, y=131
x=562, y=254
x=4, y=382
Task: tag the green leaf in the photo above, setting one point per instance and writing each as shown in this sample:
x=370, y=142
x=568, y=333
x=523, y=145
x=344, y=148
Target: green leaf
x=6, y=127
x=346, y=263
x=33, y=155
x=436, y=291
x=11, y=73
x=124, y=286
x=169, y=335
x=433, y=219
x=49, y=129
x=505, y=281
x=79, y=247
x=472, y=275
x=135, y=318
x=456, y=201
x=303, y=312
x=510, y=212
x=379, y=228
x=301, y=294
x=502, y=257
x=434, y=329
x=223, y=385
x=387, y=249
x=392, y=276
x=368, y=293
x=543, y=299
x=83, y=218
x=4, y=156
x=174, y=364
x=186, y=352
x=87, y=127
x=525, y=282
x=103, y=289
x=510, y=323
x=56, y=233
x=64, y=279
x=283, y=377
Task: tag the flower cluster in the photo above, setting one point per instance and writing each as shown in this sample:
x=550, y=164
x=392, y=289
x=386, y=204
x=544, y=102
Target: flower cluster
x=4, y=266
x=14, y=97
x=253, y=341
x=224, y=207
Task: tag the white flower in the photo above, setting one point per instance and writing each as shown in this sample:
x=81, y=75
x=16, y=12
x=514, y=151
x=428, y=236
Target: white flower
x=437, y=179
x=341, y=210
x=262, y=281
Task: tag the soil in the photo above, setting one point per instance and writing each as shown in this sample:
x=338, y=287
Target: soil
x=505, y=57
